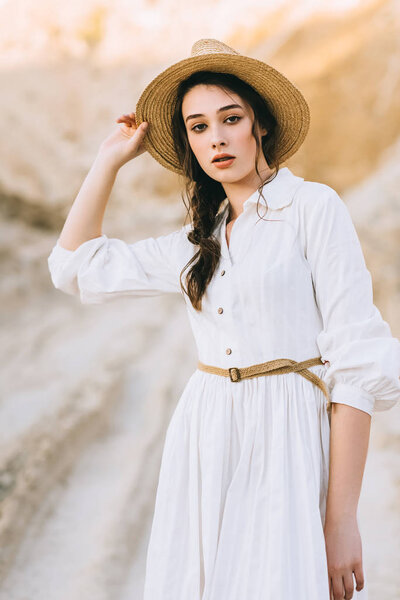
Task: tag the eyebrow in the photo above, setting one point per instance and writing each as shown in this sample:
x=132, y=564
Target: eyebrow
x=218, y=111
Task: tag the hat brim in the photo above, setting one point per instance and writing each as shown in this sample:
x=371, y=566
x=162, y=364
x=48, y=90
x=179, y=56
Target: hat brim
x=157, y=102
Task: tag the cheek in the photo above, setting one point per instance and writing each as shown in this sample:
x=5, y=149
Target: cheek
x=243, y=136
x=198, y=148
x=248, y=139
x=249, y=144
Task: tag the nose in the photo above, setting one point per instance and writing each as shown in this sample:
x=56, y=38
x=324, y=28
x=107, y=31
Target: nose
x=217, y=138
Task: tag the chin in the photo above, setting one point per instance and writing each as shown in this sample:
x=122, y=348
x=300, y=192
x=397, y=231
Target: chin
x=226, y=178
x=232, y=176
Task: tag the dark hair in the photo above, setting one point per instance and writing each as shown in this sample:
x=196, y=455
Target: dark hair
x=204, y=193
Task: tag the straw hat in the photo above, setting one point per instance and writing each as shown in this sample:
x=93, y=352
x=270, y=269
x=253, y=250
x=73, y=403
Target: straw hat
x=157, y=101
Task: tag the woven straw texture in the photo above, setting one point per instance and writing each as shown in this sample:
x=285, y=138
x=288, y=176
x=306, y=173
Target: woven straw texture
x=273, y=367
x=157, y=101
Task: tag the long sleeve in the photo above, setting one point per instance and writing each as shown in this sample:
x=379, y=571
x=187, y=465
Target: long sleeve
x=104, y=268
x=363, y=356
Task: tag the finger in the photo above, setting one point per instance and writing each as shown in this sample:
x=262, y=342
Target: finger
x=128, y=117
x=126, y=122
x=141, y=130
x=348, y=585
x=338, y=587
x=139, y=134
x=359, y=575
x=330, y=589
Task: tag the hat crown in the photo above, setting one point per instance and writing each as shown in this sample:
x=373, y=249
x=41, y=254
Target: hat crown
x=211, y=46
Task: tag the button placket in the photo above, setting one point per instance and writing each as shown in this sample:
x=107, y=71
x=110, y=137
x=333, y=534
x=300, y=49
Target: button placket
x=231, y=351
x=240, y=240
x=225, y=255
x=228, y=350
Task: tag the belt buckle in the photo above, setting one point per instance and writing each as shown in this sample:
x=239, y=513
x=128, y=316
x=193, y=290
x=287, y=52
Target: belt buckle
x=234, y=374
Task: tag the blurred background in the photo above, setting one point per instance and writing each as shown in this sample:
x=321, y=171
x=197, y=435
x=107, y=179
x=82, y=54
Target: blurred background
x=82, y=417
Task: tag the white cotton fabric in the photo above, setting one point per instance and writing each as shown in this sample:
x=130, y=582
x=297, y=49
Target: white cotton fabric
x=241, y=497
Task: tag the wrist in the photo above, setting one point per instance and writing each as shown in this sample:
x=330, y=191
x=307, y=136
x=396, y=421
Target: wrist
x=337, y=517
x=105, y=163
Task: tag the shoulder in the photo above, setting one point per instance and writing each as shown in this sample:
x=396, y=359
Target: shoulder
x=315, y=200
x=324, y=218
x=314, y=193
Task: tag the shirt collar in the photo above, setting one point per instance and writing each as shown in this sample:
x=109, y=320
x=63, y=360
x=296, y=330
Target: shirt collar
x=278, y=193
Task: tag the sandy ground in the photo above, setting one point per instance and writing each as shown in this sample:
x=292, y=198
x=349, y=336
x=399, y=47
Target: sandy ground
x=82, y=428
x=87, y=391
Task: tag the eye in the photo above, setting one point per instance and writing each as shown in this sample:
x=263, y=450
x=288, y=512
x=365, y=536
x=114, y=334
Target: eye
x=231, y=117
x=234, y=117
x=194, y=128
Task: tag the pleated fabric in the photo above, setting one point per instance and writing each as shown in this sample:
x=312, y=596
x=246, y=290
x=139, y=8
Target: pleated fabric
x=241, y=497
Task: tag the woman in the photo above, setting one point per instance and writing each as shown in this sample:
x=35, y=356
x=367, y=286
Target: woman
x=293, y=354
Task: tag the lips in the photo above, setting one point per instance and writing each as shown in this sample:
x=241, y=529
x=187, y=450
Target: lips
x=222, y=157
x=224, y=164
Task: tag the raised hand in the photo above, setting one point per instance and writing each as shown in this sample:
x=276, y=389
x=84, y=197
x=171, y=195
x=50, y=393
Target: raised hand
x=125, y=142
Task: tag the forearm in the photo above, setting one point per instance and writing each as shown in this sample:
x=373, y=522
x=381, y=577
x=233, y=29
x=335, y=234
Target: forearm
x=349, y=439
x=85, y=218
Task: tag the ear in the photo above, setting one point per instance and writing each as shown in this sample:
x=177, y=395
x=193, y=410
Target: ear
x=262, y=130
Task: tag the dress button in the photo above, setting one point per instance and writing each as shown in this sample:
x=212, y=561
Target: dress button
x=228, y=351
x=223, y=272
x=220, y=310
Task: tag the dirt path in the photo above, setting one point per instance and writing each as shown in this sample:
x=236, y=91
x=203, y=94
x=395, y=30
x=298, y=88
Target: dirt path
x=83, y=417
x=90, y=528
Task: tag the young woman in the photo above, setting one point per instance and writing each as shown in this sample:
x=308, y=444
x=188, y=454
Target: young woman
x=264, y=455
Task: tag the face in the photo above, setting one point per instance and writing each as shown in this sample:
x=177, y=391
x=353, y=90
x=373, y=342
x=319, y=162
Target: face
x=217, y=122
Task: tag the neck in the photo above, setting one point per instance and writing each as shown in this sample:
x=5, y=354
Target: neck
x=238, y=192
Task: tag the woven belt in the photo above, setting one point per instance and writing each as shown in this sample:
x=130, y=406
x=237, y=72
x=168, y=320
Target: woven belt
x=273, y=367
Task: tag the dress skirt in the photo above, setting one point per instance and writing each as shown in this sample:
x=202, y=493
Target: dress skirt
x=241, y=496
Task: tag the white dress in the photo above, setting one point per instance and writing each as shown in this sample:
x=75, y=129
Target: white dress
x=241, y=497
